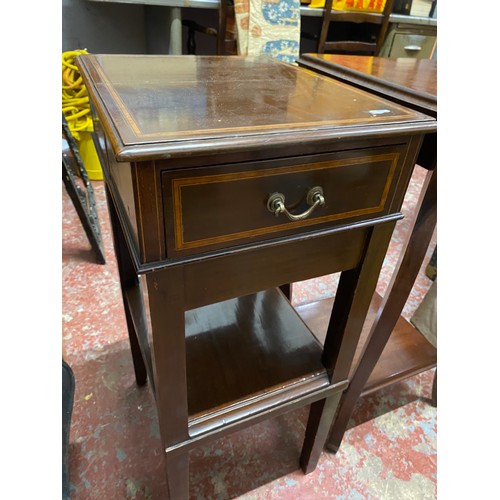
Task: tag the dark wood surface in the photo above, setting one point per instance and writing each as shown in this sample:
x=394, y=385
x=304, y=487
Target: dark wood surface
x=156, y=105
x=220, y=352
x=393, y=349
x=153, y=108
x=408, y=81
x=239, y=326
x=355, y=185
x=405, y=354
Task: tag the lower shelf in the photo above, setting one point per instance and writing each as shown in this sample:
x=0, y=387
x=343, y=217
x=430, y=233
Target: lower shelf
x=250, y=356
x=247, y=355
x=407, y=352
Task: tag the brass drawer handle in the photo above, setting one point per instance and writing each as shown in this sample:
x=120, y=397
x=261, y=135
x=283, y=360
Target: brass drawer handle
x=276, y=204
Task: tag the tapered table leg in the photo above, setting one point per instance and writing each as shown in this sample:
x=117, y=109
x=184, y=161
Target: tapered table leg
x=318, y=427
x=128, y=278
x=177, y=467
x=393, y=303
x=167, y=307
x=434, y=390
x=352, y=301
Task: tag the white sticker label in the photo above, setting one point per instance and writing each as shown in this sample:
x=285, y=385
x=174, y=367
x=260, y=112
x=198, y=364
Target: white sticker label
x=376, y=112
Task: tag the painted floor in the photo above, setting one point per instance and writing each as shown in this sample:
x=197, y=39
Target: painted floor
x=388, y=452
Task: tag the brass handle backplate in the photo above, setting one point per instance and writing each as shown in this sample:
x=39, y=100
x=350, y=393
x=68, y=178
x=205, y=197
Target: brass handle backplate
x=315, y=198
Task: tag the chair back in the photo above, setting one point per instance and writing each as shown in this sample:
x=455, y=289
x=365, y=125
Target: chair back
x=226, y=33
x=353, y=32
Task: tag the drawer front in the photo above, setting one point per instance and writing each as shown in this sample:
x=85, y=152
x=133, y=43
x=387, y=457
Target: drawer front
x=219, y=207
x=417, y=46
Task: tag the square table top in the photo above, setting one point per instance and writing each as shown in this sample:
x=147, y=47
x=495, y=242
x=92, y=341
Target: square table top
x=158, y=102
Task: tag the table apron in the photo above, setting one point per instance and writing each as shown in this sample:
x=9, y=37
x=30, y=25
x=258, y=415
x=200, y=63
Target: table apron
x=220, y=278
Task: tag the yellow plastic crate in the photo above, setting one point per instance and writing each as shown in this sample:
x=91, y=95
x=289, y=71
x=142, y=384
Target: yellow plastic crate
x=353, y=5
x=360, y=5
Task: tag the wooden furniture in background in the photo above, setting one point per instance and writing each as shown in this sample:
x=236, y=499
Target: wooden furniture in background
x=433, y=8
x=225, y=31
x=174, y=11
x=226, y=179
x=353, y=32
x=394, y=349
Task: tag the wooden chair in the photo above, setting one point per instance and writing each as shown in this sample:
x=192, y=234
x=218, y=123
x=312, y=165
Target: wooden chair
x=433, y=8
x=353, y=32
x=225, y=31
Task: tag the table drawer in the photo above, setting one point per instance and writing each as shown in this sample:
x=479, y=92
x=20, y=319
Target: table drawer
x=217, y=207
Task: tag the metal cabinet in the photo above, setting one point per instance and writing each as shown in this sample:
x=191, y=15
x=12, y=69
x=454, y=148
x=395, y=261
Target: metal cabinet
x=405, y=40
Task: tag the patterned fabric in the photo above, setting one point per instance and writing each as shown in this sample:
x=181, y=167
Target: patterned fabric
x=268, y=28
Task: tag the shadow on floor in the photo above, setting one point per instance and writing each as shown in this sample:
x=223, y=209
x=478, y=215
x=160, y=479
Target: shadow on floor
x=391, y=398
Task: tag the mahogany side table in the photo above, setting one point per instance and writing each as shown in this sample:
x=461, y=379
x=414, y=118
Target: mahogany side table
x=393, y=349
x=228, y=178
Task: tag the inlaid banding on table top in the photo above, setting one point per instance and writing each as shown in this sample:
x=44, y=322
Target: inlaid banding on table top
x=178, y=184
x=266, y=108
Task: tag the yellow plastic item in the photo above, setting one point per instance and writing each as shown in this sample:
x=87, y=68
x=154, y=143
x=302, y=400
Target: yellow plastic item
x=360, y=5
x=89, y=156
x=76, y=110
x=356, y=5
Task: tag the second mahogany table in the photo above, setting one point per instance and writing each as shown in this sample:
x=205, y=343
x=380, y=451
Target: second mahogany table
x=228, y=178
x=392, y=349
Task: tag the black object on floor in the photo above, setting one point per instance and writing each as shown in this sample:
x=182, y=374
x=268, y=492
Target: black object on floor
x=68, y=393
